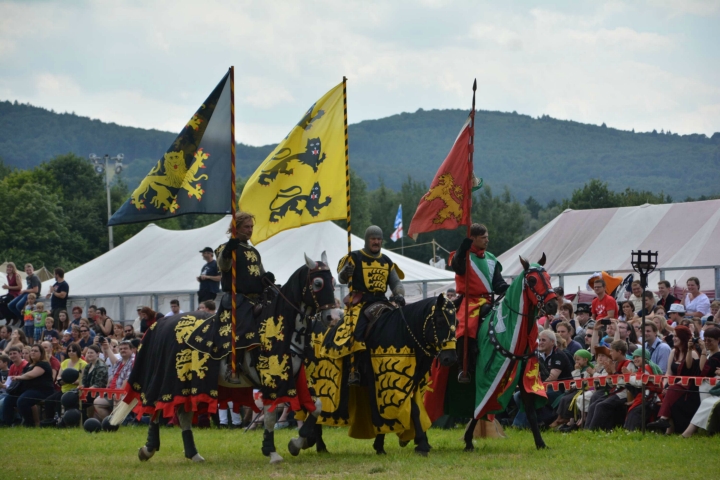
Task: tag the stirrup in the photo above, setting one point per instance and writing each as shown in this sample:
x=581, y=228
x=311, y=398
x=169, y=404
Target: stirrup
x=463, y=378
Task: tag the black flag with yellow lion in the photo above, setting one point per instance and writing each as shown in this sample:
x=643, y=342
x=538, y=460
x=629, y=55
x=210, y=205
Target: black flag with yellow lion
x=194, y=175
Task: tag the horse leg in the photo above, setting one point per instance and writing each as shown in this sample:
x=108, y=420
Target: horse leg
x=469, y=431
x=421, y=440
x=185, y=419
x=532, y=418
x=152, y=444
x=379, y=444
x=268, y=443
x=306, y=436
x=320, y=444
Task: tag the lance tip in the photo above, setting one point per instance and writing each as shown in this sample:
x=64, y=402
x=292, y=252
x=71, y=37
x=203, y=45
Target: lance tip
x=474, y=84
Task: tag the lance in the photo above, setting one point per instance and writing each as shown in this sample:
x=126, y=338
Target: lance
x=465, y=378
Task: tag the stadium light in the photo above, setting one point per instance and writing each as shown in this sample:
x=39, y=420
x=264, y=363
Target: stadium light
x=100, y=164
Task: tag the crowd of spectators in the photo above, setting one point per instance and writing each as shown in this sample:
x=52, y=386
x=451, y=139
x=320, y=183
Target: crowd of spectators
x=605, y=338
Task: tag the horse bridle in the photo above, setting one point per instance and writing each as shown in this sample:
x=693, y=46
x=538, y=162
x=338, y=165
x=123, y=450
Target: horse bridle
x=437, y=345
x=319, y=266
x=541, y=308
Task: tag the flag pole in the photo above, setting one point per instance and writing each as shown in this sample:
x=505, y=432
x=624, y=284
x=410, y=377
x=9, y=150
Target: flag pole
x=233, y=223
x=468, y=193
x=347, y=175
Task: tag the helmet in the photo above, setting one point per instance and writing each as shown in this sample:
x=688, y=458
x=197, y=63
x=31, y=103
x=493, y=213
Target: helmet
x=371, y=232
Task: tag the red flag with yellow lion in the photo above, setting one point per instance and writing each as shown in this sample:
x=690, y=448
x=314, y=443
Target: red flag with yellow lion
x=446, y=205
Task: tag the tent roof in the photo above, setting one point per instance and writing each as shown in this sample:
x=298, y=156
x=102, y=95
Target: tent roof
x=683, y=234
x=157, y=260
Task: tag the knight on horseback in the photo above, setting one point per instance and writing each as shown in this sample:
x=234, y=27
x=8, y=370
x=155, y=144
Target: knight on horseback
x=484, y=281
x=251, y=283
x=368, y=272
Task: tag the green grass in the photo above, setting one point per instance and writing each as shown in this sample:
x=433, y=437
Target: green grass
x=40, y=454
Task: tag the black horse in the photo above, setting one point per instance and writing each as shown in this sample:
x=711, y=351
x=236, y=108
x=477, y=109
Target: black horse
x=169, y=377
x=401, y=346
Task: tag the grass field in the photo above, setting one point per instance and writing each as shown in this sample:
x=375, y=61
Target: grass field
x=51, y=453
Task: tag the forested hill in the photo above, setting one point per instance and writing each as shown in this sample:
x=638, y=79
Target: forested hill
x=543, y=157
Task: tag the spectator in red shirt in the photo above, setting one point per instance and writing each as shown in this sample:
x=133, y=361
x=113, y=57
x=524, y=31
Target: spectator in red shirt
x=604, y=305
x=15, y=354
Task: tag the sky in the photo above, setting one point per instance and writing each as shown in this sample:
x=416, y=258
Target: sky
x=642, y=64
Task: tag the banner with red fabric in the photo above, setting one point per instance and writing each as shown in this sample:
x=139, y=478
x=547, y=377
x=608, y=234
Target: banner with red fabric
x=446, y=204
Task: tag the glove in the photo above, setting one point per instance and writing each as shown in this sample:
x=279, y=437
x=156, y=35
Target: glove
x=465, y=246
x=230, y=247
x=269, y=278
x=349, y=269
x=399, y=300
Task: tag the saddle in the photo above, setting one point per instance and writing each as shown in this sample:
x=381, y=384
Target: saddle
x=374, y=311
x=352, y=298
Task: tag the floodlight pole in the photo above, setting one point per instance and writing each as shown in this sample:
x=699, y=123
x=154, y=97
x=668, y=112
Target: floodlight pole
x=643, y=263
x=101, y=165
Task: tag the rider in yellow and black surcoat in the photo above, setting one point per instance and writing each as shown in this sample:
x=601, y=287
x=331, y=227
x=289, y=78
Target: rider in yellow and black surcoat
x=368, y=273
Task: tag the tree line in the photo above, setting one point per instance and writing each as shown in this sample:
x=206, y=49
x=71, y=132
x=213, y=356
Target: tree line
x=55, y=214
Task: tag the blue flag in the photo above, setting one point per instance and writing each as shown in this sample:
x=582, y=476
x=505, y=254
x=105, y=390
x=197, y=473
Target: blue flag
x=398, y=233
x=194, y=175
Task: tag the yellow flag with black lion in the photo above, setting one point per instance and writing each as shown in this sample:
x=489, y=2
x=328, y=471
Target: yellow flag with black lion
x=302, y=180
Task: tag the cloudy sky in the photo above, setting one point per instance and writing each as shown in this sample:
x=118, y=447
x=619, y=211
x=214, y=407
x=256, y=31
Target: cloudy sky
x=150, y=63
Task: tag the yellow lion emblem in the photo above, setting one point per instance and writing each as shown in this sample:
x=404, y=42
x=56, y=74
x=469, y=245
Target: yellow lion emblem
x=190, y=361
x=271, y=367
x=271, y=329
x=176, y=176
x=447, y=191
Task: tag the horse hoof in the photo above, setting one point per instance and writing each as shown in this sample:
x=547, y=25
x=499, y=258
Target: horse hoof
x=322, y=450
x=542, y=447
x=294, y=446
x=144, y=454
x=469, y=449
x=403, y=444
x=275, y=458
x=197, y=458
x=381, y=452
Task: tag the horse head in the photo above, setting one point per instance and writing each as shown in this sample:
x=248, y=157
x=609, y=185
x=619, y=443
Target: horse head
x=537, y=281
x=320, y=289
x=439, y=331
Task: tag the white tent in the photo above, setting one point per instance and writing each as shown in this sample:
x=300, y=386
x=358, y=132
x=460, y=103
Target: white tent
x=683, y=234
x=166, y=263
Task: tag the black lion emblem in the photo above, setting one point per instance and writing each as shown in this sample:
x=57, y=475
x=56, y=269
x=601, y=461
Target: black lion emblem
x=312, y=157
x=292, y=197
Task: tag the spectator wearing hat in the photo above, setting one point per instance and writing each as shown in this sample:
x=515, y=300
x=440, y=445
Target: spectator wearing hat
x=583, y=321
x=696, y=303
x=680, y=402
x=567, y=415
x=608, y=405
x=666, y=298
x=604, y=305
x=676, y=314
x=659, y=350
x=209, y=277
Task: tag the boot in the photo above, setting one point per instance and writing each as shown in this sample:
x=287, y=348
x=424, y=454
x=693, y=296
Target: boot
x=268, y=443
